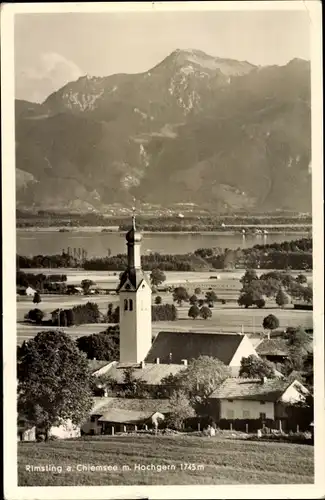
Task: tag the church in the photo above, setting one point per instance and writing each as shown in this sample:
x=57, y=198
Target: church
x=171, y=350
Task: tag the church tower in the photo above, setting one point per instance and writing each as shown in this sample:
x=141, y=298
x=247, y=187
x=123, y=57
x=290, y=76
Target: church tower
x=135, y=304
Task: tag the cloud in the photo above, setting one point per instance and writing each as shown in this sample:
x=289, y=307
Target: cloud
x=49, y=73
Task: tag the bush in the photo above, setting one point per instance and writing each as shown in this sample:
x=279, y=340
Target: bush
x=35, y=315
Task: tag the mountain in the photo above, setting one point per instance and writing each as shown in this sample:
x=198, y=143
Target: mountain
x=195, y=128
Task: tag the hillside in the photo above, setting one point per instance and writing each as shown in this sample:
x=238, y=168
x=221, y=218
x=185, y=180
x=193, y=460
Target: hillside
x=220, y=133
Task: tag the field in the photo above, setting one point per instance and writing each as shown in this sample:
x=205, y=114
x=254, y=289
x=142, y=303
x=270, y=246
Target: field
x=213, y=461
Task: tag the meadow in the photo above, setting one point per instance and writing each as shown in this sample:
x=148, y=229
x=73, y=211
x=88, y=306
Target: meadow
x=164, y=460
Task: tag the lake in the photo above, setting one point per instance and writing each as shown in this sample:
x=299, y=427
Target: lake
x=31, y=243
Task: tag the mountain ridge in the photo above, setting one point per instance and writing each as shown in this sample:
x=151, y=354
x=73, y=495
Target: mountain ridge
x=218, y=132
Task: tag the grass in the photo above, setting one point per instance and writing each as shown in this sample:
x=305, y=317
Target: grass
x=216, y=460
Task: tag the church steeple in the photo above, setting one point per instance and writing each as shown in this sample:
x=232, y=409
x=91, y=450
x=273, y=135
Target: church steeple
x=135, y=303
x=134, y=238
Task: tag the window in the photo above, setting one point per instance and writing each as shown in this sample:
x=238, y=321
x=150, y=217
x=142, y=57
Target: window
x=131, y=305
x=230, y=400
x=246, y=414
x=262, y=402
x=125, y=304
x=262, y=416
x=230, y=414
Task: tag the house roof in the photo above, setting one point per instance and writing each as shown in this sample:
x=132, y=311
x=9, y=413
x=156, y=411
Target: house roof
x=125, y=416
x=151, y=373
x=191, y=345
x=95, y=365
x=253, y=389
x=272, y=347
x=143, y=406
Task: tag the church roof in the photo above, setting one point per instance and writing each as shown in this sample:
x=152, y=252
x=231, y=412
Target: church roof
x=191, y=345
x=135, y=277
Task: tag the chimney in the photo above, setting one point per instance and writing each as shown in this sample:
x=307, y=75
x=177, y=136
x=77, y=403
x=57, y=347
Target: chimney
x=142, y=364
x=157, y=361
x=184, y=362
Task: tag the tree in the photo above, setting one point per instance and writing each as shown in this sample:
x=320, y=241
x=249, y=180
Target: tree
x=249, y=276
x=116, y=315
x=281, y=298
x=301, y=279
x=86, y=284
x=180, y=295
x=157, y=277
x=37, y=298
x=199, y=379
x=211, y=297
x=35, y=315
x=182, y=409
x=103, y=346
x=260, y=303
x=270, y=323
x=205, y=312
x=194, y=312
x=53, y=381
x=158, y=300
x=197, y=291
x=110, y=313
x=255, y=367
x=307, y=294
x=193, y=300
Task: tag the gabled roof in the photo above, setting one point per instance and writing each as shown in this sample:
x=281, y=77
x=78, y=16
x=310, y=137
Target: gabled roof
x=125, y=416
x=151, y=373
x=191, y=345
x=134, y=276
x=95, y=365
x=272, y=347
x=145, y=405
x=252, y=389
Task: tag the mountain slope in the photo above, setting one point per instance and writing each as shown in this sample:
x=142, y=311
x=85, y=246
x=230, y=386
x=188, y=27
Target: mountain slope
x=220, y=133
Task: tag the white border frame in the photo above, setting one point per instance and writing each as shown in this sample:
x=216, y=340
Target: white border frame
x=12, y=491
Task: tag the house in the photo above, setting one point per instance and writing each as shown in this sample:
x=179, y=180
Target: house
x=264, y=399
x=124, y=414
x=25, y=432
x=30, y=292
x=274, y=350
x=65, y=430
x=173, y=347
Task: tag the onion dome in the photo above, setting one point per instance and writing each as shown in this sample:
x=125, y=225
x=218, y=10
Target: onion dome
x=133, y=236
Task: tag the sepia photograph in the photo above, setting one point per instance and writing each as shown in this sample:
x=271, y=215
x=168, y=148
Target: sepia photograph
x=163, y=250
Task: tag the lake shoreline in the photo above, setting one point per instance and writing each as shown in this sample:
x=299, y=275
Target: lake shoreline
x=99, y=229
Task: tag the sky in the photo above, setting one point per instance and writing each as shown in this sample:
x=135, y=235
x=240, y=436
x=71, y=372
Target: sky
x=53, y=49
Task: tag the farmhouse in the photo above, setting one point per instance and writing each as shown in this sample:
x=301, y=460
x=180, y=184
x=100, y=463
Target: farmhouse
x=125, y=414
x=264, y=399
x=275, y=350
